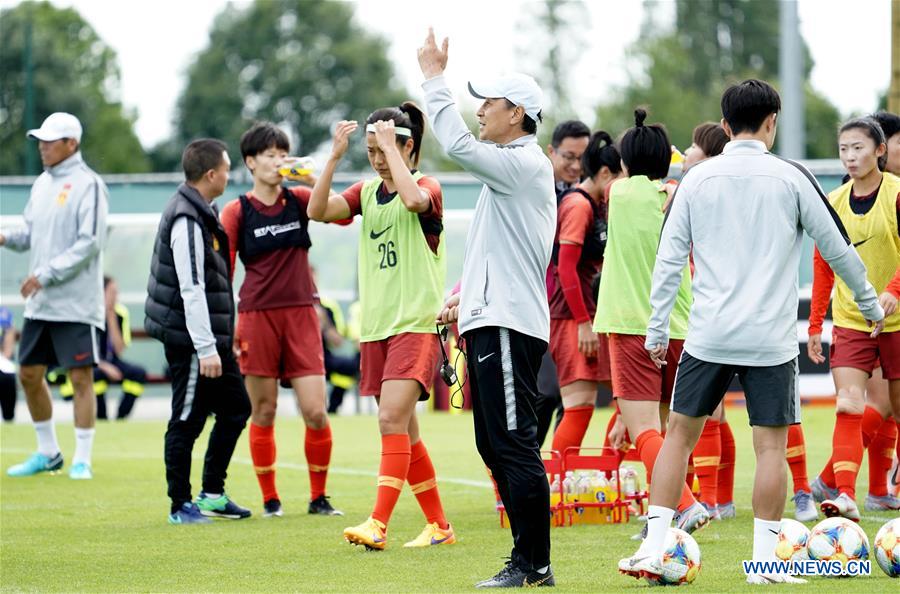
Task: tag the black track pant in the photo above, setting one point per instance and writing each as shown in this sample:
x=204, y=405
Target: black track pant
x=194, y=398
x=503, y=366
x=549, y=398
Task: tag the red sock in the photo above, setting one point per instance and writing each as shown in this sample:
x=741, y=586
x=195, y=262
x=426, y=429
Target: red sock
x=871, y=421
x=796, y=458
x=620, y=455
x=881, y=457
x=725, y=486
x=648, y=445
x=395, y=454
x=422, y=481
x=317, y=447
x=689, y=477
x=262, y=452
x=707, y=457
x=847, y=448
x=572, y=428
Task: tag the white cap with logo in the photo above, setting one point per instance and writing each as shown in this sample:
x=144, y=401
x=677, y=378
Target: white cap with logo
x=57, y=126
x=519, y=88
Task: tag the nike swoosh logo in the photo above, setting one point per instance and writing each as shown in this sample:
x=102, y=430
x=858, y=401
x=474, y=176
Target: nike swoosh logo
x=534, y=584
x=775, y=532
x=81, y=356
x=634, y=562
x=437, y=541
x=373, y=235
x=859, y=243
x=652, y=518
x=486, y=357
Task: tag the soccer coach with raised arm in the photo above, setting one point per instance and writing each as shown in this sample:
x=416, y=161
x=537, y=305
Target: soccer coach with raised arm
x=502, y=307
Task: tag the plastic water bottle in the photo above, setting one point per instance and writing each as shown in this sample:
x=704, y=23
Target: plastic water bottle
x=568, y=487
x=297, y=167
x=629, y=480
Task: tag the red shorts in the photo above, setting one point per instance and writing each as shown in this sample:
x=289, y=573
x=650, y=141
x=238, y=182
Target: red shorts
x=404, y=356
x=634, y=376
x=285, y=342
x=856, y=349
x=571, y=365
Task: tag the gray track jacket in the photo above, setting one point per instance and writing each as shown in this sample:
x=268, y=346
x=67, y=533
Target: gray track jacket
x=65, y=229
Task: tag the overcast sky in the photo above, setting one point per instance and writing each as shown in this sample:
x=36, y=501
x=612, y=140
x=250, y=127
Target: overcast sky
x=155, y=41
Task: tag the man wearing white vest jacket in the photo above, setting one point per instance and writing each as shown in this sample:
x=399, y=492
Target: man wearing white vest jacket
x=502, y=307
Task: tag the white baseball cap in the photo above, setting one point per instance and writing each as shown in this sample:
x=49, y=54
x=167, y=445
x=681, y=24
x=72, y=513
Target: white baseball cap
x=57, y=125
x=519, y=88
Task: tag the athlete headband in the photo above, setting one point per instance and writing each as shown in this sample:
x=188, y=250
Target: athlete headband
x=399, y=131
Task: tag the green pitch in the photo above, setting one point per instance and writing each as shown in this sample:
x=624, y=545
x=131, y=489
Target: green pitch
x=110, y=534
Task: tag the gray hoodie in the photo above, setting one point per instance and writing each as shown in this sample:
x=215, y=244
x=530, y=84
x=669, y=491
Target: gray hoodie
x=509, y=243
x=65, y=229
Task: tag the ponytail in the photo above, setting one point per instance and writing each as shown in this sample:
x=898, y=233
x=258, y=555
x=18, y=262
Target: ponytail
x=407, y=115
x=600, y=153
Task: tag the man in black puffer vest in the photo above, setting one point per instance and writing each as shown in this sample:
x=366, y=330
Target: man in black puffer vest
x=190, y=309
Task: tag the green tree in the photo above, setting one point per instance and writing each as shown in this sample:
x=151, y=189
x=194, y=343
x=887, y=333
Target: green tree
x=681, y=73
x=303, y=64
x=73, y=71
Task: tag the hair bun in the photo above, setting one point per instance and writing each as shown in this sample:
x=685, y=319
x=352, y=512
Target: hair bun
x=640, y=114
x=603, y=136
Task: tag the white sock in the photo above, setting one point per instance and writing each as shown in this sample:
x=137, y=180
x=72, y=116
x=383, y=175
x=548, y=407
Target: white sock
x=46, y=438
x=212, y=495
x=765, y=537
x=84, y=443
x=659, y=519
x=543, y=570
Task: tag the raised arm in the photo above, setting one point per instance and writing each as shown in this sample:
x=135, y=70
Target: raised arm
x=323, y=205
x=414, y=198
x=500, y=168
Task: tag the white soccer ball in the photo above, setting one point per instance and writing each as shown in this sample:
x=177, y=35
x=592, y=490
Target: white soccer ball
x=887, y=548
x=838, y=539
x=681, y=559
x=792, y=541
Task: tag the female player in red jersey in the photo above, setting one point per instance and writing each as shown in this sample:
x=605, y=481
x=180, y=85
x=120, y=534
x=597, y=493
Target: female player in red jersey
x=581, y=356
x=401, y=284
x=278, y=332
x=869, y=207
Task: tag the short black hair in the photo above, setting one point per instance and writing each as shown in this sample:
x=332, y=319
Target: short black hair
x=529, y=126
x=569, y=129
x=646, y=150
x=202, y=155
x=746, y=105
x=262, y=136
x=889, y=122
x=711, y=138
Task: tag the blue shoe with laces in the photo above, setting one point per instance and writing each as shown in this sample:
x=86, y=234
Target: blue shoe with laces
x=36, y=464
x=188, y=514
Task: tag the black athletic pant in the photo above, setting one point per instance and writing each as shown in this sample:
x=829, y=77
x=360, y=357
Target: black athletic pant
x=194, y=398
x=503, y=366
x=549, y=398
x=8, y=395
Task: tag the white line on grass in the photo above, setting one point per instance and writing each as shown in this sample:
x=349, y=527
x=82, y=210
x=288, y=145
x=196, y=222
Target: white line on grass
x=288, y=465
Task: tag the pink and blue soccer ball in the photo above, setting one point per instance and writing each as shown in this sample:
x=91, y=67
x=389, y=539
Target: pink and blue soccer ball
x=838, y=539
x=681, y=559
x=887, y=548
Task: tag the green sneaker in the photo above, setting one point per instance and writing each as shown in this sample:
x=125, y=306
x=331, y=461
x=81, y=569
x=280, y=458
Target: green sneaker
x=221, y=507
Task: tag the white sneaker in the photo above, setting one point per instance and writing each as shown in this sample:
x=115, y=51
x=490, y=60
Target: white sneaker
x=640, y=565
x=841, y=505
x=762, y=579
x=804, y=508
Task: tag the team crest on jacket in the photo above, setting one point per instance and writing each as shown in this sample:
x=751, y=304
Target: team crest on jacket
x=64, y=195
x=215, y=244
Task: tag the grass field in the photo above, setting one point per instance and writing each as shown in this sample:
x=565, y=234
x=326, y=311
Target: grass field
x=111, y=535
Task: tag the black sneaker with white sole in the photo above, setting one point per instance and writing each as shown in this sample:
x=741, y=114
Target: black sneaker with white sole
x=272, y=508
x=321, y=506
x=514, y=576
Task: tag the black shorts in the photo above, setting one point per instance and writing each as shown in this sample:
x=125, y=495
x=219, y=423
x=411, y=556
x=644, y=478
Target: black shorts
x=58, y=344
x=772, y=393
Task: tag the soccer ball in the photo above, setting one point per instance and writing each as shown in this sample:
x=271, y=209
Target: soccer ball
x=681, y=559
x=887, y=548
x=837, y=539
x=792, y=540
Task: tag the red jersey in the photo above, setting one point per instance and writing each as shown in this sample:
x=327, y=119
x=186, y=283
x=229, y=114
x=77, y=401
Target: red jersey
x=573, y=294
x=277, y=278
